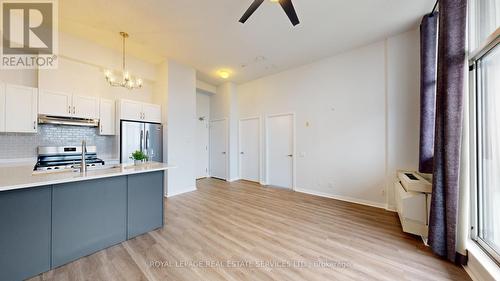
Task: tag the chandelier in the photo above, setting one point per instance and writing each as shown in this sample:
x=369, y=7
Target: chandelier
x=127, y=81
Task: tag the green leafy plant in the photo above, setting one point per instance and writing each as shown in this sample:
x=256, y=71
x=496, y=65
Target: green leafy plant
x=138, y=156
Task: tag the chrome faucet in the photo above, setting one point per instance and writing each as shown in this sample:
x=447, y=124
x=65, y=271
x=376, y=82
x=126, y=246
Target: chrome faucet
x=83, y=164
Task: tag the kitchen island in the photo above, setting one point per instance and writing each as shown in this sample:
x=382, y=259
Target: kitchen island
x=50, y=219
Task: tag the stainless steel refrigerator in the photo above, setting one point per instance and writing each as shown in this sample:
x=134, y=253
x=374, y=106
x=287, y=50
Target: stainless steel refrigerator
x=146, y=137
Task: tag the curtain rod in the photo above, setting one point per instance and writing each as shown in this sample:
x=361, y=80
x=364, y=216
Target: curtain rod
x=435, y=6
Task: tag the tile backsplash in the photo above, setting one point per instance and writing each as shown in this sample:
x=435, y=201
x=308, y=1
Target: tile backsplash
x=16, y=145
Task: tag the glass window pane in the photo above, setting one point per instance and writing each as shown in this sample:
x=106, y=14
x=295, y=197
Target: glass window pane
x=489, y=149
x=485, y=19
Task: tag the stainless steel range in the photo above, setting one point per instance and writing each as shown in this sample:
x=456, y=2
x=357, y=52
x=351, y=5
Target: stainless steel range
x=65, y=158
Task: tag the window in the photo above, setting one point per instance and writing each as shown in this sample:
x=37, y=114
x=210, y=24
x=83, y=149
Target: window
x=484, y=20
x=487, y=180
x=484, y=42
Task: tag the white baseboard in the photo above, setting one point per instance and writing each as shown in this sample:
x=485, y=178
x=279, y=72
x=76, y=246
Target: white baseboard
x=190, y=189
x=343, y=198
x=390, y=208
x=235, y=179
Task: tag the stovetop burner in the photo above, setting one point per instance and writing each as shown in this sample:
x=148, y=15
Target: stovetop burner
x=65, y=157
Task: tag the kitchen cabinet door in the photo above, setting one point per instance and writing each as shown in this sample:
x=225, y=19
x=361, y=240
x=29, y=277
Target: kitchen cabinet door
x=2, y=107
x=145, y=203
x=152, y=113
x=107, y=118
x=85, y=107
x=55, y=103
x=25, y=235
x=130, y=110
x=21, y=109
x=87, y=216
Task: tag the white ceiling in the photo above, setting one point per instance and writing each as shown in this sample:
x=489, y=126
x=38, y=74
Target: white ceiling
x=206, y=34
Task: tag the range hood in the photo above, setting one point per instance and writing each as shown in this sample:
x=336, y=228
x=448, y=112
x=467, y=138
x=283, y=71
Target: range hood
x=45, y=119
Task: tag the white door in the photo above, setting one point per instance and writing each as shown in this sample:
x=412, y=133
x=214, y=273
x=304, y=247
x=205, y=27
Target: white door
x=218, y=149
x=130, y=110
x=202, y=134
x=152, y=113
x=55, y=103
x=2, y=107
x=85, y=107
x=249, y=149
x=21, y=104
x=107, y=121
x=280, y=150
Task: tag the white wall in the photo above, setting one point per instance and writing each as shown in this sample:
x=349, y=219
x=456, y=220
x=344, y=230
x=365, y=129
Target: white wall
x=354, y=113
x=339, y=104
x=180, y=105
x=403, y=99
x=206, y=88
x=224, y=104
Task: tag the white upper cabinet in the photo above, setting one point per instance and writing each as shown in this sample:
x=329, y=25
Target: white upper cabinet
x=55, y=104
x=152, y=113
x=139, y=111
x=2, y=107
x=68, y=105
x=107, y=122
x=21, y=108
x=85, y=107
x=130, y=110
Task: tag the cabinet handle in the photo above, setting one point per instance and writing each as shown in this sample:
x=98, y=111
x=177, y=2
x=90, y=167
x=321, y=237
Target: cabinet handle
x=74, y=110
x=34, y=125
x=69, y=109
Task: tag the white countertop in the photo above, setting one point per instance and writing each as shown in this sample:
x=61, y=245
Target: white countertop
x=18, y=177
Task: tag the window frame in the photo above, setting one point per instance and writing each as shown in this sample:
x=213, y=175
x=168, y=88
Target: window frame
x=475, y=96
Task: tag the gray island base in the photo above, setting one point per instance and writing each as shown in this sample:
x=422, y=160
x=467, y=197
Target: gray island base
x=44, y=227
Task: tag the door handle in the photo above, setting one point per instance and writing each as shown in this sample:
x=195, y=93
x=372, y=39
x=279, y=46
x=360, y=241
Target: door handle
x=224, y=152
x=142, y=137
x=147, y=140
x=290, y=155
x=242, y=153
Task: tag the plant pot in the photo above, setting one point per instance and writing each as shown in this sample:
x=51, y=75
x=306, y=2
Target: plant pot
x=137, y=162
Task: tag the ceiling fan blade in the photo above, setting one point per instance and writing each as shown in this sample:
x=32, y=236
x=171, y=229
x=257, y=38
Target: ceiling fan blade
x=251, y=10
x=290, y=11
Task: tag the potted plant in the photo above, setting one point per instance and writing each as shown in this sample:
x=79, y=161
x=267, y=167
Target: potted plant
x=138, y=157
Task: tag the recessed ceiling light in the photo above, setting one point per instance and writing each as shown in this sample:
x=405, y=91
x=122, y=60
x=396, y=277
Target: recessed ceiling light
x=224, y=74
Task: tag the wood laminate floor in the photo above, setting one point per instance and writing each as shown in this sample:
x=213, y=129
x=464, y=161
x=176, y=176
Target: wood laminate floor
x=242, y=231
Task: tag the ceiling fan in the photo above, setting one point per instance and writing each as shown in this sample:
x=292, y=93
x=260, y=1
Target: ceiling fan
x=285, y=4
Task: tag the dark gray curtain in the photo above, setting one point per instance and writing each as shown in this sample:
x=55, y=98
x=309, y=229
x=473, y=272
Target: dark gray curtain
x=449, y=98
x=428, y=65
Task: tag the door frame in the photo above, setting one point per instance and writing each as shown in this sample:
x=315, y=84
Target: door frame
x=226, y=125
x=294, y=162
x=259, y=134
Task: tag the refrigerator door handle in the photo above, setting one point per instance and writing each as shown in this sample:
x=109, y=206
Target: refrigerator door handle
x=142, y=138
x=147, y=139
